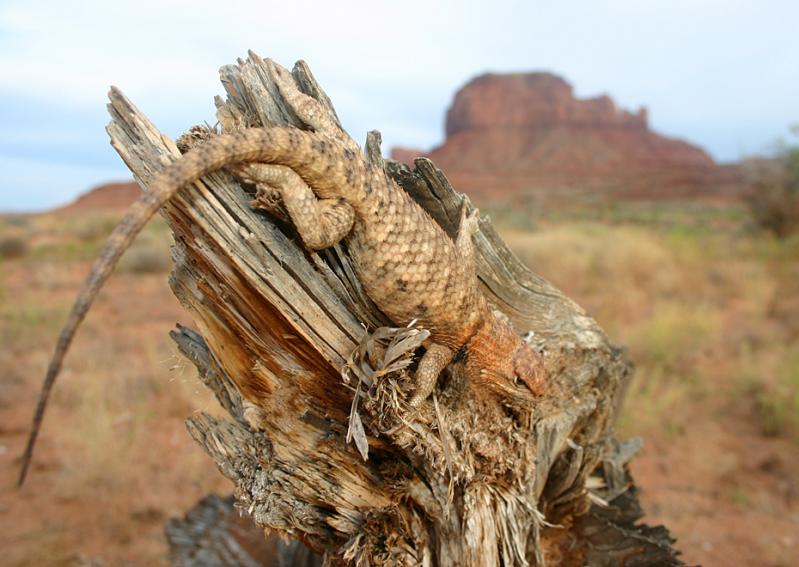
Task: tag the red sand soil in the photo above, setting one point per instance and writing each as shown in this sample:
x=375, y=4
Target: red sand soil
x=57, y=520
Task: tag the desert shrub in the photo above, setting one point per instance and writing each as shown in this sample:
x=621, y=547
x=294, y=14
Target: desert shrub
x=13, y=246
x=145, y=261
x=90, y=228
x=774, y=197
x=769, y=379
x=146, y=256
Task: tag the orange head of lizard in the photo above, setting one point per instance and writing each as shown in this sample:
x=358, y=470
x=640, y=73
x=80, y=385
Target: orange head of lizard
x=507, y=366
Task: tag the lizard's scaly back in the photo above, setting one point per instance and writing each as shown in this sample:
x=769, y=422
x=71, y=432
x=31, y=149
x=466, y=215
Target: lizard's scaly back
x=284, y=146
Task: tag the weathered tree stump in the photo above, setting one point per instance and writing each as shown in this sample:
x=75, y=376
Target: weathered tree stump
x=303, y=361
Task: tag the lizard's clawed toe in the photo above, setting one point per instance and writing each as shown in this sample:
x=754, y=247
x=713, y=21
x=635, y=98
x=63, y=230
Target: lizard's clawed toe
x=309, y=110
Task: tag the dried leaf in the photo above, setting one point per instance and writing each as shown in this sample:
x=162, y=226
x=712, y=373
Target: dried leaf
x=355, y=431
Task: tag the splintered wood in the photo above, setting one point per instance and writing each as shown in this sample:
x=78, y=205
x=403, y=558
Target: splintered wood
x=304, y=363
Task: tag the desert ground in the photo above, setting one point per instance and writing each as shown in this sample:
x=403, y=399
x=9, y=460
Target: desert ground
x=707, y=306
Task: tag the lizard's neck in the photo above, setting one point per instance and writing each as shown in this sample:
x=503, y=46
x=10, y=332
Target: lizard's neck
x=494, y=342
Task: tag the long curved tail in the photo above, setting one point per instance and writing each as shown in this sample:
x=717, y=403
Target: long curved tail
x=284, y=146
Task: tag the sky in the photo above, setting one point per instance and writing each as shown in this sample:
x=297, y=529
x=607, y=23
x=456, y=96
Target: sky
x=722, y=74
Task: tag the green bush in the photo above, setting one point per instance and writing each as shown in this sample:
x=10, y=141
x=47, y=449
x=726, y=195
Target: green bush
x=774, y=198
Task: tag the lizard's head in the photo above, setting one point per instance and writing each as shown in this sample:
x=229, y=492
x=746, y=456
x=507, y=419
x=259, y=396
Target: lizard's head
x=528, y=370
x=508, y=366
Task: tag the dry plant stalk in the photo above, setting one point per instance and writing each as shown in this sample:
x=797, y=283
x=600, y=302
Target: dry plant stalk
x=323, y=446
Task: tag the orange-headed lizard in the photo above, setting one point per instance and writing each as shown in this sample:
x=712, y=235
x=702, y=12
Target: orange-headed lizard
x=405, y=261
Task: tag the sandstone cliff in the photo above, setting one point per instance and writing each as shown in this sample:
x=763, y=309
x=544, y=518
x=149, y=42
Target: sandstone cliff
x=514, y=134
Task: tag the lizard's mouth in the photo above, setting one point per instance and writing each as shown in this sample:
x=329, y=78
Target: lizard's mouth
x=511, y=385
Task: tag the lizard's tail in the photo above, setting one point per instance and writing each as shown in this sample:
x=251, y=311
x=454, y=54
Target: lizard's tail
x=284, y=146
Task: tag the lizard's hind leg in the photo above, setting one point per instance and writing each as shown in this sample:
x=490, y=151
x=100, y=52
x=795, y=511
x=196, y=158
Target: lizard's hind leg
x=321, y=223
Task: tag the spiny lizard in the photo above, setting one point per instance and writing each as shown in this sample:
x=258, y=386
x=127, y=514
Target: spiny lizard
x=405, y=261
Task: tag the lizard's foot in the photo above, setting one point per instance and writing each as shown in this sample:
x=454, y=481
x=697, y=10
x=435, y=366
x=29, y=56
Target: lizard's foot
x=321, y=223
x=307, y=108
x=433, y=362
x=469, y=225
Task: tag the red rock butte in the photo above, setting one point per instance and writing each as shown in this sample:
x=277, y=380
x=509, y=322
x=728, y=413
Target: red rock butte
x=509, y=135
x=103, y=198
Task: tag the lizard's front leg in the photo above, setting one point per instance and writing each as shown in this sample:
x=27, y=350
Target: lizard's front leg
x=321, y=223
x=437, y=356
x=434, y=361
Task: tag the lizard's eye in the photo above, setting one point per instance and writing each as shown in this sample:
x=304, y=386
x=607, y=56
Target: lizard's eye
x=518, y=382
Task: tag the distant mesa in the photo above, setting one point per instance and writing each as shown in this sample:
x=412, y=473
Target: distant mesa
x=108, y=197
x=525, y=133
x=509, y=136
x=533, y=100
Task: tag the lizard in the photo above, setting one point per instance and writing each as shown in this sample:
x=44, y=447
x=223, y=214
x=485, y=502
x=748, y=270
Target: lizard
x=408, y=265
